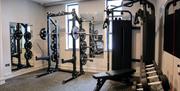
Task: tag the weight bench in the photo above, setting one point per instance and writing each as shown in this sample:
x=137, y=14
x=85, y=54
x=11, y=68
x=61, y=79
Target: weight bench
x=116, y=75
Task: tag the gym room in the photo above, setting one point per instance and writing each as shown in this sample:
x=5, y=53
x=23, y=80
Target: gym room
x=87, y=45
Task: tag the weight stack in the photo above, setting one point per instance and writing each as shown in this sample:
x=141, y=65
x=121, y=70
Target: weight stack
x=122, y=43
x=148, y=39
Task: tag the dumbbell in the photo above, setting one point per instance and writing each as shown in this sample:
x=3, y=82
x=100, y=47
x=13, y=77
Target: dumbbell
x=84, y=58
x=152, y=68
x=163, y=81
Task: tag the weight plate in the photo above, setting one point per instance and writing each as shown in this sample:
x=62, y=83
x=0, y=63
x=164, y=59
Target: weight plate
x=83, y=46
x=82, y=36
x=54, y=56
x=43, y=33
x=27, y=36
x=54, y=46
x=28, y=45
x=84, y=58
x=28, y=54
x=18, y=35
x=75, y=33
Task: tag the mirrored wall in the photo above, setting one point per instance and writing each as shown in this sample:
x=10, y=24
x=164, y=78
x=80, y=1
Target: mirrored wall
x=21, y=45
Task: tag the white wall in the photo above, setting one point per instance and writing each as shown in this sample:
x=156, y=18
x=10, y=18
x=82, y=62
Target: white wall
x=21, y=11
x=169, y=62
x=1, y=57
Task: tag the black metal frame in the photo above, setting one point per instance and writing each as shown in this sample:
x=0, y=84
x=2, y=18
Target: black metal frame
x=49, y=54
x=74, y=72
x=128, y=4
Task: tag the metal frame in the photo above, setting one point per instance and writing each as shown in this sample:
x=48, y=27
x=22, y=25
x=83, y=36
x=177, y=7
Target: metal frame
x=111, y=10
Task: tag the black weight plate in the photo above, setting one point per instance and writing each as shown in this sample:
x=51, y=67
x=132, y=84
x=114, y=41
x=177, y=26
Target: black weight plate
x=27, y=36
x=83, y=58
x=28, y=54
x=28, y=45
x=18, y=35
x=54, y=56
x=82, y=36
x=54, y=46
x=43, y=33
x=83, y=46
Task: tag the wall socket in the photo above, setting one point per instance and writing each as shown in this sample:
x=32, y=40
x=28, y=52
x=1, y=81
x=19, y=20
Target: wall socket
x=6, y=65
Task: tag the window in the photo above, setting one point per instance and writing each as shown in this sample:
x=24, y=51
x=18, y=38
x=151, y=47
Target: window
x=110, y=4
x=69, y=22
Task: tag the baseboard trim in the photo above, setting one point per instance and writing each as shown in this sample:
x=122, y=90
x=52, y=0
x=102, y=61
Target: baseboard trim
x=86, y=69
x=2, y=82
x=23, y=71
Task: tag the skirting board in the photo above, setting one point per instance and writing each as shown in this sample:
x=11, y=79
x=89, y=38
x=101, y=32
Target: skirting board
x=86, y=69
x=23, y=71
x=2, y=82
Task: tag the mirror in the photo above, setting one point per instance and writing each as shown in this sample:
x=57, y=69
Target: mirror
x=20, y=42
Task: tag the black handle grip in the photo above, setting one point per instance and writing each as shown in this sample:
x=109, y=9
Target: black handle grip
x=67, y=61
x=42, y=58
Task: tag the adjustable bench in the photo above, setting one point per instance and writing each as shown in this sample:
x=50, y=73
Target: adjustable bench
x=115, y=75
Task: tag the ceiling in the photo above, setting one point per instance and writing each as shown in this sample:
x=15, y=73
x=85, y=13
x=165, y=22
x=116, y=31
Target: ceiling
x=55, y=2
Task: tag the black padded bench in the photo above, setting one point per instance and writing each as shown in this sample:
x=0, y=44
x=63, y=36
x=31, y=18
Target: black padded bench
x=112, y=75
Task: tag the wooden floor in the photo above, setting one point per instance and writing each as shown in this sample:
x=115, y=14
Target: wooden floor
x=53, y=82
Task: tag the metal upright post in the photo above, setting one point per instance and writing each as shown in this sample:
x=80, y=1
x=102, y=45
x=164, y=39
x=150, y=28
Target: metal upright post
x=108, y=50
x=19, y=66
x=57, y=46
x=74, y=48
x=48, y=41
x=81, y=65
